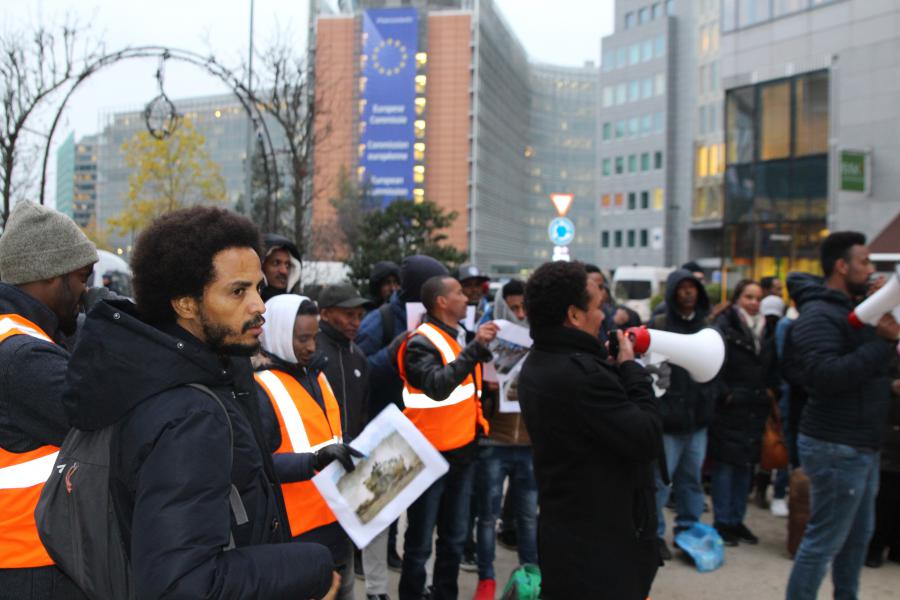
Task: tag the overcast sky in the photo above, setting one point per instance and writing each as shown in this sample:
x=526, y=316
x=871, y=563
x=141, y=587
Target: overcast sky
x=565, y=32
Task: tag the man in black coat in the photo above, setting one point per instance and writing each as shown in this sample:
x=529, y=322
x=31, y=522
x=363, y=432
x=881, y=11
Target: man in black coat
x=281, y=266
x=596, y=432
x=198, y=317
x=846, y=373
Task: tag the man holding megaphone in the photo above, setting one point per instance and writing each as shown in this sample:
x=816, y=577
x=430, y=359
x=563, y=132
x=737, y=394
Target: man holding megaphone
x=846, y=374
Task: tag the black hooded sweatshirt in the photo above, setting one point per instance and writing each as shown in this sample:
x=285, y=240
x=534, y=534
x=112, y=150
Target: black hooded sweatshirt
x=687, y=406
x=171, y=475
x=845, y=370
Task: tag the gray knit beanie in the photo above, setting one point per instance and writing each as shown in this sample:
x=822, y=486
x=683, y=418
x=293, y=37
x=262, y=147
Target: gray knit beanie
x=40, y=243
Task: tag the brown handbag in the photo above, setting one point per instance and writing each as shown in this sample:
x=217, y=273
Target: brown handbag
x=774, y=454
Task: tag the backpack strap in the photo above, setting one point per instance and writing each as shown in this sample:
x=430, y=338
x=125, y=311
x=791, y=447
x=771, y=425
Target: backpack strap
x=387, y=324
x=234, y=496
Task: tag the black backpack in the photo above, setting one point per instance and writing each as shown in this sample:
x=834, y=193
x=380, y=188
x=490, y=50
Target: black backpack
x=77, y=518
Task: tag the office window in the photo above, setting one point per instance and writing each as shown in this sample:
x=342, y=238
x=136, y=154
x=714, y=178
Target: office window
x=633, y=126
x=658, y=122
x=812, y=114
x=713, y=114
x=659, y=84
x=617, y=238
x=630, y=20
x=607, y=167
x=621, y=92
x=646, y=50
x=775, y=121
x=634, y=54
x=657, y=10
x=786, y=7
x=702, y=161
x=645, y=200
x=740, y=111
x=608, y=96
x=643, y=238
x=701, y=80
x=647, y=88
x=728, y=15
x=645, y=161
x=644, y=15
x=619, y=200
x=632, y=163
x=659, y=199
x=714, y=75
x=646, y=124
x=658, y=159
x=704, y=39
x=701, y=119
x=659, y=46
x=606, y=201
x=609, y=60
x=620, y=129
x=621, y=57
x=632, y=200
x=607, y=131
x=631, y=238
x=620, y=165
x=752, y=11
x=634, y=91
x=604, y=239
x=670, y=7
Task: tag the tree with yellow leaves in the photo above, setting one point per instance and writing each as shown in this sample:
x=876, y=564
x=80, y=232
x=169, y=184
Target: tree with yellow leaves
x=167, y=175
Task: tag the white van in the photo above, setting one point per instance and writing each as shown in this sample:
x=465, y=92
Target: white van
x=636, y=286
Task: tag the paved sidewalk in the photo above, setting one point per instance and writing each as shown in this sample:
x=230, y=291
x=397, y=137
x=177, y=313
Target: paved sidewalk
x=750, y=572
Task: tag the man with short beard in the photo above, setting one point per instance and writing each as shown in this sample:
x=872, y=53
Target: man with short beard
x=177, y=458
x=45, y=262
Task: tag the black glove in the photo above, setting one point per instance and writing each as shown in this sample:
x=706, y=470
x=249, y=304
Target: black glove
x=340, y=452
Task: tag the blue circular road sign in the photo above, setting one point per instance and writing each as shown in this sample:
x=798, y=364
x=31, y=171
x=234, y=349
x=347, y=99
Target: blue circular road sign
x=562, y=231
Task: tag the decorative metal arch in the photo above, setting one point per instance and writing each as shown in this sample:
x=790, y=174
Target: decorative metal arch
x=209, y=64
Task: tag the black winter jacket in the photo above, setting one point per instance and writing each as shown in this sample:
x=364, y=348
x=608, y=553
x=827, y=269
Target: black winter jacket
x=687, y=406
x=596, y=434
x=347, y=371
x=735, y=436
x=171, y=473
x=425, y=370
x=846, y=370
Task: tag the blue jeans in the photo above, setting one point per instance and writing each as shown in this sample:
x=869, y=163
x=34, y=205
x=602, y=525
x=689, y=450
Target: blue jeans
x=445, y=504
x=684, y=459
x=495, y=464
x=730, y=486
x=843, y=486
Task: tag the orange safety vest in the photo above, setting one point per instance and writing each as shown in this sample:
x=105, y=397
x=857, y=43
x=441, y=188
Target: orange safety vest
x=449, y=423
x=305, y=427
x=22, y=477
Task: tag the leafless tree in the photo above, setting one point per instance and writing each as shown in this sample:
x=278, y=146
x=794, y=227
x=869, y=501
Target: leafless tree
x=33, y=66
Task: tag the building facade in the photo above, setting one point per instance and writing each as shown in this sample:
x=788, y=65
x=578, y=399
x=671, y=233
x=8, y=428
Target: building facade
x=76, y=178
x=811, y=128
x=489, y=131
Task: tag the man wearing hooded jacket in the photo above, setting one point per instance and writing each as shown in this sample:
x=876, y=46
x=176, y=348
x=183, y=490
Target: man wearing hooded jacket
x=281, y=266
x=197, y=320
x=686, y=409
x=45, y=261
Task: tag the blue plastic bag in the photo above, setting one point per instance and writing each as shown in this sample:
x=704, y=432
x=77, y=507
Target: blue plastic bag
x=704, y=545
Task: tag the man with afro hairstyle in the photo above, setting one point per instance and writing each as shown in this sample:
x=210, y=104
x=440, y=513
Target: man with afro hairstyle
x=197, y=279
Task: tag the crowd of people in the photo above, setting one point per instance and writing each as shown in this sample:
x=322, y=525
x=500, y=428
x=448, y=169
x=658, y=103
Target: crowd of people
x=227, y=390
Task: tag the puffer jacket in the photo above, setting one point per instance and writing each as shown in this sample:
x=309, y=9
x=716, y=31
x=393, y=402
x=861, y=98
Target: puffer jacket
x=735, y=436
x=171, y=473
x=845, y=370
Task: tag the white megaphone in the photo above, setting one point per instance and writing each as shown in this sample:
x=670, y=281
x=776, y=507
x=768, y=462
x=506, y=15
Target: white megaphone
x=701, y=354
x=885, y=300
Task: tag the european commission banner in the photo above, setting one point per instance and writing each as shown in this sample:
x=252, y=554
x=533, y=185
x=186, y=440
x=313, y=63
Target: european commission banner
x=390, y=42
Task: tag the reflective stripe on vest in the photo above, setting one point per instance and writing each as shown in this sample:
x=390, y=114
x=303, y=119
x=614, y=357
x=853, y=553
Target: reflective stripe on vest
x=22, y=477
x=305, y=427
x=450, y=423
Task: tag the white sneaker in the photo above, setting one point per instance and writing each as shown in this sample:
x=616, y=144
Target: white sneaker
x=779, y=508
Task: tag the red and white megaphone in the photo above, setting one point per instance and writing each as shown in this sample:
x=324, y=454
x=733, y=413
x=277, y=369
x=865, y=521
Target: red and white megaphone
x=701, y=354
x=885, y=300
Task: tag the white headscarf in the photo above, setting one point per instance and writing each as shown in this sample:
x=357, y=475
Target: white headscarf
x=278, y=331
